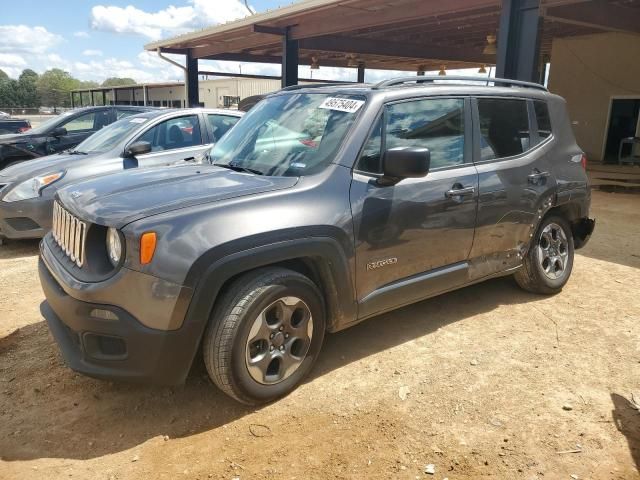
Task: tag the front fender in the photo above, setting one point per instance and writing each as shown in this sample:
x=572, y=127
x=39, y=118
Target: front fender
x=332, y=262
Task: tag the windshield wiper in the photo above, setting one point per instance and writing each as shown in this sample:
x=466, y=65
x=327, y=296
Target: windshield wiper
x=238, y=168
x=76, y=152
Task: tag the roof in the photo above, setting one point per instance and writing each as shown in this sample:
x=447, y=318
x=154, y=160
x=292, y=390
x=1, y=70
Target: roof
x=392, y=34
x=135, y=85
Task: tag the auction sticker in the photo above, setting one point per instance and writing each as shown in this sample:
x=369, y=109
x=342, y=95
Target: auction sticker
x=342, y=104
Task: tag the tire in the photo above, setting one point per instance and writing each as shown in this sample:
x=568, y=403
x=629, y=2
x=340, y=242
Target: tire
x=246, y=353
x=548, y=263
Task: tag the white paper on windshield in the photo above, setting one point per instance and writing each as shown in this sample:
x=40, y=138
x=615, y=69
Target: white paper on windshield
x=137, y=120
x=342, y=104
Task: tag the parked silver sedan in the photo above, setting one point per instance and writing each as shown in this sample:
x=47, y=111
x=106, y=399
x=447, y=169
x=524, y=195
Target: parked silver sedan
x=150, y=139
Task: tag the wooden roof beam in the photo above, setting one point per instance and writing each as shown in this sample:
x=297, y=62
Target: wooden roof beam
x=333, y=43
x=332, y=23
x=597, y=14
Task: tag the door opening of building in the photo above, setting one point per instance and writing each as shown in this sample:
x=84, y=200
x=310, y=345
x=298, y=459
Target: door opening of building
x=624, y=122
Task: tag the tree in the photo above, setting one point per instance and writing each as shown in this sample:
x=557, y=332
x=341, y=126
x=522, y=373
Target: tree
x=54, y=88
x=118, y=82
x=27, y=89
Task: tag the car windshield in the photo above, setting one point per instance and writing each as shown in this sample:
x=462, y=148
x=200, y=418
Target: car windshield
x=45, y=126
x=109, y=136
x=293, y=134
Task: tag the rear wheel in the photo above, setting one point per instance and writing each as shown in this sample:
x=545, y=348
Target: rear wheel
x=264, y=335
x=549, y=261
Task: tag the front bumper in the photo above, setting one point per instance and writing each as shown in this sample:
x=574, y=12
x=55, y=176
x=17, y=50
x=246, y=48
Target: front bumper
x=26, y=218
x=118, y=346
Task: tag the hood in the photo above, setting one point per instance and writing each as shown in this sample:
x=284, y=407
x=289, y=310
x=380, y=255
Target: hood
x=43, y=165
x=121, y=198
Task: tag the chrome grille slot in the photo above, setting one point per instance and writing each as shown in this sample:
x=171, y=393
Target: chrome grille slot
x=69, y=233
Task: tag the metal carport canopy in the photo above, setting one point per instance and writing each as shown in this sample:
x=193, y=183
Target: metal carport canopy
x=413, y=35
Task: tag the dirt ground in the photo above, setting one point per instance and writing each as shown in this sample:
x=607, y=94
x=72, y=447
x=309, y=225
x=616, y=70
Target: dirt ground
x=496, y=383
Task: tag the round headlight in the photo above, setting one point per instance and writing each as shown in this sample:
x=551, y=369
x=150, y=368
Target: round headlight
x=114, y=246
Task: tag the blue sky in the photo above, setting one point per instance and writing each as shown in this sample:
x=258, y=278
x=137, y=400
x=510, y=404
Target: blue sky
x=96, y=39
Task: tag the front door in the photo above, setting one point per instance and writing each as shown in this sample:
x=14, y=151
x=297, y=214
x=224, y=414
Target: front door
x=78, y=129
x=413, y=238
x=174, y=141
x=515, y=165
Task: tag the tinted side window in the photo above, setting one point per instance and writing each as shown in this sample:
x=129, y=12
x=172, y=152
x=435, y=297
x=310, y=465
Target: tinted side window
x=174, y=133
x=542, y=116
x=504, y=127
x=436, y=124
x=87, y=122
x=220, y=124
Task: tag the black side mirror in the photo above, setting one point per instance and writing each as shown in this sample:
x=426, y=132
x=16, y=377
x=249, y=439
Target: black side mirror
x=59, y=132
x=404, y=162
x=137, y=148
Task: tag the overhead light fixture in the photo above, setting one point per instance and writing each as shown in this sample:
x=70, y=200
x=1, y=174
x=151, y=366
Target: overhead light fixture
x=314, y=63
x=490, y=47
x=443, y=70
x=352, y=60
x=483, y=69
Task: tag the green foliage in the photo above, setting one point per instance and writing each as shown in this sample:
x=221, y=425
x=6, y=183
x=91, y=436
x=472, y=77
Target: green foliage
x=21, y=92
x=118, y=82
x=54, y=86
x=51, y=89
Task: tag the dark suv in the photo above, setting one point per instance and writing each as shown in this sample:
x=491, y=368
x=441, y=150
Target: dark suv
x=324, y=206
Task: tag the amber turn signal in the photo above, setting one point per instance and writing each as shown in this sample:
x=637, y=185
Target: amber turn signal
x=147, y=247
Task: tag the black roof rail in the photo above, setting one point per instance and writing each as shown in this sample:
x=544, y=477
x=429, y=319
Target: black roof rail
x=432, y=79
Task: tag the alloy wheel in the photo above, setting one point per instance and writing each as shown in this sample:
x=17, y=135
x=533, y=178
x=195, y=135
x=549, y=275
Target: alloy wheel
x=553, y=251
x=279, y=340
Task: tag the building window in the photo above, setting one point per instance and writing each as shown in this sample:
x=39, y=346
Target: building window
x=228, y=101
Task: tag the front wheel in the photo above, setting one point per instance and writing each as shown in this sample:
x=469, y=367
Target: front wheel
x=264, y=335
x=549, y=261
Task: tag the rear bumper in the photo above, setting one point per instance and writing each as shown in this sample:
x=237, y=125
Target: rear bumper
x=26, y=218
x=114, y=346
x=582, y=230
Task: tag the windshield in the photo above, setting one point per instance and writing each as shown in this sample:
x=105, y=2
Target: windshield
x=288, y=135
x=45, y=126
x=109, y=136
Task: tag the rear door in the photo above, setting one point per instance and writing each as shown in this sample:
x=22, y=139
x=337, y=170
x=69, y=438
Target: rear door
x=413, y=238
x=515, y=181
x=174, y=141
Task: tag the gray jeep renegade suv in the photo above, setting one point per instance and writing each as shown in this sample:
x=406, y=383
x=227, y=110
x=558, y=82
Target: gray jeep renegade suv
x=324, y=206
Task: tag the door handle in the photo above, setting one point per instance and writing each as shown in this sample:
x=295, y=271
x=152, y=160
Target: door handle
x=459, y=192
x=536, y=176
x=190, y=159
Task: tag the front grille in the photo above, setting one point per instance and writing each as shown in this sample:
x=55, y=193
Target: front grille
x=69, y=233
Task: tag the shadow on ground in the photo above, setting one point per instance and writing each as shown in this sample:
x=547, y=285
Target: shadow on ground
x=48, y=411
x=627, y=420
x=14, y=249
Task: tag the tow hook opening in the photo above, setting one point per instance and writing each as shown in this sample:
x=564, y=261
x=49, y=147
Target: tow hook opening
x=582, y=230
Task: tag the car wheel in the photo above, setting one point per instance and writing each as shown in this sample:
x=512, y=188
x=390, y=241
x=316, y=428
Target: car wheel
x=264, y=335
x=547, y=266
